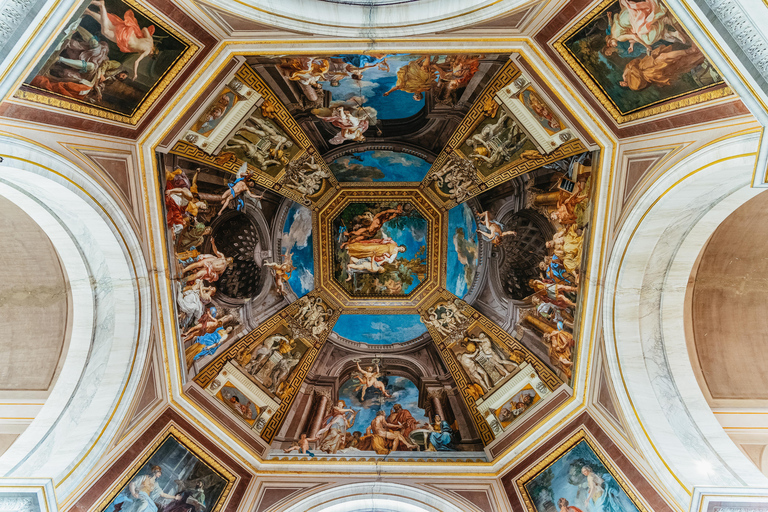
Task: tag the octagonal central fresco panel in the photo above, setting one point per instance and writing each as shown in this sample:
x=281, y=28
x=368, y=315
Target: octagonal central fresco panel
x=380, y=247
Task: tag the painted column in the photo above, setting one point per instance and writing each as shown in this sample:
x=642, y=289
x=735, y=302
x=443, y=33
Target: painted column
x=437, y=407
x=319, y=412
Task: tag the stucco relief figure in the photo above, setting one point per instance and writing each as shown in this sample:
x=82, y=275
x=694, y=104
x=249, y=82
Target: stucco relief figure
x=332, y=435
x=474, y=370
x=501, y=364
x=496, y=142
x=439, y=324
x=312, y=315
x=282, y=272
x=141, y=493
x=456, y=177
x=270, y=149
x=305, y=176
x=208, y=267
x=369, y=378
x=282, y=369
x=261, y=355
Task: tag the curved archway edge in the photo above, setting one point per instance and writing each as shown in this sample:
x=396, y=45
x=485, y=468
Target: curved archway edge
x=643, y=317
x=110, y=333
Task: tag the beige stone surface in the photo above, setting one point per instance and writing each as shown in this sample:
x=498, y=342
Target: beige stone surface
x=33, y=305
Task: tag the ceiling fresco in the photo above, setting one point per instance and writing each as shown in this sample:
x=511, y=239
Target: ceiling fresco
x=113, y=60
x=638, y=60
x=378, y=253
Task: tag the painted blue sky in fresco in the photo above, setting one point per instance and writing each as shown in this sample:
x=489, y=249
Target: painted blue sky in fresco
x=380, y=166
x=297, y=237
x=372, y=87
x=379, y=329
x=564, y=479
x=403, y=391
x=462, y=250
x=413, y=235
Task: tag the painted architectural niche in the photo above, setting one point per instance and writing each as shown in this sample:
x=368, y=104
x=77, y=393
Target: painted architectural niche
x=405, y=299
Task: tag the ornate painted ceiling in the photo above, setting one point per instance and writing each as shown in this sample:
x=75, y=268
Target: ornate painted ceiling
x=356, y=232
x=367, y=252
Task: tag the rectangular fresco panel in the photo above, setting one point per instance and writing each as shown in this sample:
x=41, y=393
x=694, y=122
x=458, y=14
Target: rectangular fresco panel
x=380, y=165
x=576, y=478
x=176, y=476
x=462, y=250
x=111, y=60
x=636, y=55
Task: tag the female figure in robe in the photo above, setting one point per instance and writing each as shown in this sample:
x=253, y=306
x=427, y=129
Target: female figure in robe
x=645, y=23
x=332, y=436
x=440, y=438
x=662, y=67
x=206, y=345
x=125, y=33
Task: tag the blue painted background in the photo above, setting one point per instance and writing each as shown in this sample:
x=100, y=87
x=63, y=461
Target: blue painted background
x=403, y=391
x=380, y=166
x=297, y=237
x=379, y=329
x=462, y=250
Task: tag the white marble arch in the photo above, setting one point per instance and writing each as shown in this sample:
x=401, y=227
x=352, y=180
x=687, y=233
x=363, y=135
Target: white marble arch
x=643, y=318
x=374, y=497
x=110, y=316
x=370, y=19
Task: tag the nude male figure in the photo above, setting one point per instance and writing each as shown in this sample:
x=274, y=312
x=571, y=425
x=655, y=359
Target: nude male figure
x=380, y=426
x=369, y=378
x=373, y=226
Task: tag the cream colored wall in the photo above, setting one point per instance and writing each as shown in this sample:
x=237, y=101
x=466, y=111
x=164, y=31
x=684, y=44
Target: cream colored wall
x=33, y=320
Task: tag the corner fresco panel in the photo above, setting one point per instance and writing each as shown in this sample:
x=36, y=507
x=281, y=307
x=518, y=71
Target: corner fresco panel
x=574, y=478
x=635, y=55
x=174, y=478
x=111, y=60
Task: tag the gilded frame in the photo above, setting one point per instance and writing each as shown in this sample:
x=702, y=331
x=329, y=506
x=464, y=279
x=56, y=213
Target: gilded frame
x=562, y=450
x=707, y=93
x=171, y=431
x=147, y=101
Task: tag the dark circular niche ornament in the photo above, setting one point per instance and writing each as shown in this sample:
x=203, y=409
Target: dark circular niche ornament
x=237, y=237
x=520, y=255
